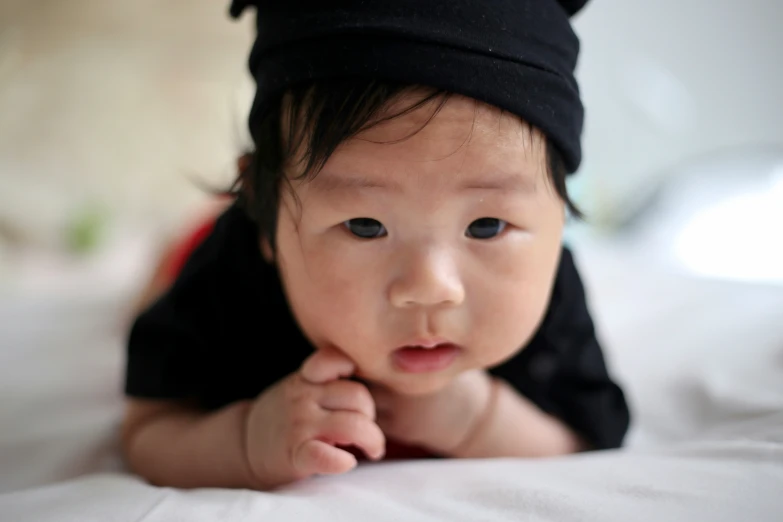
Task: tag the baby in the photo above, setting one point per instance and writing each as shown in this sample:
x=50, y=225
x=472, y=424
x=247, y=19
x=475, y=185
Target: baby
x=389, y=278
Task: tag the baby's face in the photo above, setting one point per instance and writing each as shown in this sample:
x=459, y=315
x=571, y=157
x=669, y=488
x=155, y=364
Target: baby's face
x=424, y=257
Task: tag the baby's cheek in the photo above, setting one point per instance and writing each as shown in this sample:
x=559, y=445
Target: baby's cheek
x=508, y=317
x=323, y=294
x=345, y=299
x=344, y=284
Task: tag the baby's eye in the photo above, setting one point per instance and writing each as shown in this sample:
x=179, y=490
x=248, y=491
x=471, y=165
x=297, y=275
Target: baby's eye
x=485, y=228
x=365, y=228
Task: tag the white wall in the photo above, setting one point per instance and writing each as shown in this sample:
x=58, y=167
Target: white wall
x=668, y=81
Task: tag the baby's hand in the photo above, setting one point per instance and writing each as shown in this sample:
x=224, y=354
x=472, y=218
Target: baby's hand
x=293, y=429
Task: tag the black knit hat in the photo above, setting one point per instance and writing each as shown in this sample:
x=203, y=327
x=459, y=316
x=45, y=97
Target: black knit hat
x=518, y=55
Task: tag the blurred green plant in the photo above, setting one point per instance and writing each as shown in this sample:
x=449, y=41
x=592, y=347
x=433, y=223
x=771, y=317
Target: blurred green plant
x=86, y=228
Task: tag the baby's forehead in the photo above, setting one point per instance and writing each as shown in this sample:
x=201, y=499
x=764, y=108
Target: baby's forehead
x=464, y=144
x=449, y=116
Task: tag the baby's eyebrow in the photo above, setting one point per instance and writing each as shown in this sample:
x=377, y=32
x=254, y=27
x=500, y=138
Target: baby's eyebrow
x=337, y=183
x=506, y=183
x=518, y=182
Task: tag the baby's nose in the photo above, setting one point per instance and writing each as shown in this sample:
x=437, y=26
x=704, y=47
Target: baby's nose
x=427, y=277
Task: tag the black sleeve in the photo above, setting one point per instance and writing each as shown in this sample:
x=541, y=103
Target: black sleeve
x=206, y=339
x=169, y=341
x=562, y=369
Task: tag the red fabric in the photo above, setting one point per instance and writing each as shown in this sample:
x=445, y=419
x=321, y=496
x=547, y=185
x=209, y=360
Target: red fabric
x=398, y=451
x=177, y=258
x=394, y=451
x=179, y=255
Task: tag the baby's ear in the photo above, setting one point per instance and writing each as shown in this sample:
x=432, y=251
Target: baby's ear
x=572, y=6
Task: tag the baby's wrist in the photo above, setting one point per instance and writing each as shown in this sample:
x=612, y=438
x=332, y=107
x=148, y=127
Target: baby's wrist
x=263, y=470
x=254, y=478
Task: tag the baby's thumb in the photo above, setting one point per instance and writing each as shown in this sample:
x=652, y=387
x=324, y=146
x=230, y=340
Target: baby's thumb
x=325, y=365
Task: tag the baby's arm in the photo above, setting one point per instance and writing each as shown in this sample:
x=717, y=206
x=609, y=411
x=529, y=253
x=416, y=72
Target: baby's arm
x=512, y=426
x=475, y=416
x=172, y=444
x=290, y=432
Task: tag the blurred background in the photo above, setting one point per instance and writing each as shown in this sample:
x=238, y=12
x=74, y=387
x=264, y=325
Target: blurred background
x=114, y=116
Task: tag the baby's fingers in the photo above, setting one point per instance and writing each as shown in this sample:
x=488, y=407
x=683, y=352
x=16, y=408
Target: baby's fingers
x=347, y=428
x=349, y=396
x=315, y=457
x=325, y=365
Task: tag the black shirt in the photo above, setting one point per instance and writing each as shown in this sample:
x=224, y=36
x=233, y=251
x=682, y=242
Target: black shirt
x=224, y=332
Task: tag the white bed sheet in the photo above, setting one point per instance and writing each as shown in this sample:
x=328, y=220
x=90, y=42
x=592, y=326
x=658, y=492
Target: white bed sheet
x=702, y=362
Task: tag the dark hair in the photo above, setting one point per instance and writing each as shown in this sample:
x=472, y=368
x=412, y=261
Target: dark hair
x=309, y=122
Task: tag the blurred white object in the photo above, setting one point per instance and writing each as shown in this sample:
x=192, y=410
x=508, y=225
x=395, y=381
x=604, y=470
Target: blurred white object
x=669, y=81
x=719, y=217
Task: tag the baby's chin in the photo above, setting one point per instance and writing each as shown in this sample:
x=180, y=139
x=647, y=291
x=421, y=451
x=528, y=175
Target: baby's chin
x=416, y=384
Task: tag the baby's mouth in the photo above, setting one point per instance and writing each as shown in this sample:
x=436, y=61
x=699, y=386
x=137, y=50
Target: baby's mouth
x=427, y=356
